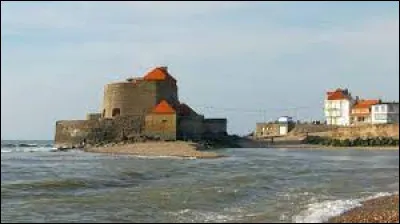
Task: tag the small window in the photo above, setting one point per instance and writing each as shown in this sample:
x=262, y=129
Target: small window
x=116, y=112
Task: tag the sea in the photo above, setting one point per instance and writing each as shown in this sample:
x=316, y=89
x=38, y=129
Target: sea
x=39, y=184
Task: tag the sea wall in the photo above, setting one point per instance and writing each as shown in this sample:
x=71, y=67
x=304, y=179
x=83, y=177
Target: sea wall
x=368, y=130
x=72, y=133
x=301, y=129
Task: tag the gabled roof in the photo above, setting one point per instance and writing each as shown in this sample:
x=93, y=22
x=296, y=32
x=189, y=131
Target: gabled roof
x=365, y=104
x=163, y=108
x=338, y=94
x=185, y=110
x=158, y=74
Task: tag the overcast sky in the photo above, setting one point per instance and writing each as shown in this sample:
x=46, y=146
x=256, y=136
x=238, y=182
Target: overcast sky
x=231, y=59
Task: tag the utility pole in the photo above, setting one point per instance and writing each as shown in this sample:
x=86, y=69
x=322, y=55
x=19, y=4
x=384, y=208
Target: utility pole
x=264, y=113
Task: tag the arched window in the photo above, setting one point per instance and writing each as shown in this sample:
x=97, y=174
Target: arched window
x=116, y=112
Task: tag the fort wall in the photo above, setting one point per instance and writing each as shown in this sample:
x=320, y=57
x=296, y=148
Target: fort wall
x=190, y=127
x=73, y=133
x=161, y=126
x=129, y=99
x=215, y=127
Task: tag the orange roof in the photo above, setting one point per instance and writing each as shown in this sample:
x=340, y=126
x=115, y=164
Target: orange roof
x=163, y=108
x=339, y=94
x=158, y=74
x=365, y=104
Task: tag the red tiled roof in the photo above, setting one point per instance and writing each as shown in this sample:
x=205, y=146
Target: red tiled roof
x=337, y=95
x=163, y=108
x=158, y=74
x=363, y=104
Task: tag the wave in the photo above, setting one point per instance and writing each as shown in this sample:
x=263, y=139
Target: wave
x=162, y=157
x=28, y=149
x=123, y=179
x=190, y=216
x=25, y=145
x=322, y=212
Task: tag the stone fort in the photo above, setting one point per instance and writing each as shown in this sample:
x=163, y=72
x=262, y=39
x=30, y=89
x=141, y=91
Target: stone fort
x=142, y=106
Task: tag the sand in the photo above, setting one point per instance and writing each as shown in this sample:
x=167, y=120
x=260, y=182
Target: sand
x=379, y=210
x=175, y=149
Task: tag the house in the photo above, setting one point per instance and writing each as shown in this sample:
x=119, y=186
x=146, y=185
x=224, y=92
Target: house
x=337, y=107
x=361, y=111
x=385, y=112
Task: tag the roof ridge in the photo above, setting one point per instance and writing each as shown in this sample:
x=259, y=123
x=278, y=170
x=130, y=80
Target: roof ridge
x=163, y=108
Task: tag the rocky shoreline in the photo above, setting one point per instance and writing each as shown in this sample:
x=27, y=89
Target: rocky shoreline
x=378, y=210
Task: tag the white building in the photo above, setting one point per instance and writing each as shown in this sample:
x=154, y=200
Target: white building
x=284, y=124
x=337, y=107
x=385, y=113
x=285, y=119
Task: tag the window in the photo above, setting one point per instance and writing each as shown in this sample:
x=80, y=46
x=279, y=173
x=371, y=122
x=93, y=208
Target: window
x=104, y=112
x=380, y=117
x=116, y=112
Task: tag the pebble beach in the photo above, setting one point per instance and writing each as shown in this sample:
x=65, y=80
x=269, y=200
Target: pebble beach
x=379, y=210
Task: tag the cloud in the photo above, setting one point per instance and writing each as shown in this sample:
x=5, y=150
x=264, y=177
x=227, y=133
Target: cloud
x=242, y=55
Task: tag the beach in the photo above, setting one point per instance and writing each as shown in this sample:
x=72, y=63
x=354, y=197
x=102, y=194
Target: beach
x=379, y=210
x=170, y=149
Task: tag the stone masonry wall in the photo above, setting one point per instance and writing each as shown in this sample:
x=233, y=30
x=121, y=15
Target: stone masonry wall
x=132, y=99
x=72, y=133
x=377, y=130
x=161, y=125
x=190, y=127
x=301, y=129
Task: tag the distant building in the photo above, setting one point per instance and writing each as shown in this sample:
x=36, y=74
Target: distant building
x=280, y=127
x=337, y=107
x=285, y=124
x=362, y=110
x=384, y=113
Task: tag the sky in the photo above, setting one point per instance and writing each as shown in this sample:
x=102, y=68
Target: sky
x=246, y=61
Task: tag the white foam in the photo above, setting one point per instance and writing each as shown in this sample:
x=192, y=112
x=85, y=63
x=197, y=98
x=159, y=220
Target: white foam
x=162, y=157
x=194, y=216
x=322, y=212
x=28, y=149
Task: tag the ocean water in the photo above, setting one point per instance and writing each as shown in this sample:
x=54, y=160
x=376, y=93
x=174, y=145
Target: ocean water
x=251, y=185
